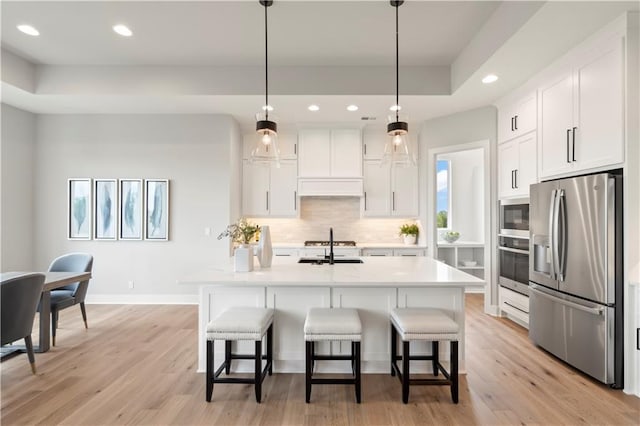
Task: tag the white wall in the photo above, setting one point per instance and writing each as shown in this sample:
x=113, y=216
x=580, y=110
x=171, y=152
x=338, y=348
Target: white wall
x=16, y=201
x=467, y=193
x=448, y=132
x=198, y=153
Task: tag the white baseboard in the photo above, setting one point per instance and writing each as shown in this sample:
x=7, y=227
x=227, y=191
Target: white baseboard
x=142, y=299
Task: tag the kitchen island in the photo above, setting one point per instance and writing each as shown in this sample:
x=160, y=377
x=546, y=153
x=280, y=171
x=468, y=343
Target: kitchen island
x=374, y=287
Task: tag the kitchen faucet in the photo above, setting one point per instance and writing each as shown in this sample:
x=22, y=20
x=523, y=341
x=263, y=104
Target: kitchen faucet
x=330, y=246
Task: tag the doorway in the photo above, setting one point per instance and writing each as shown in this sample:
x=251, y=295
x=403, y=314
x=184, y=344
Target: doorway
x=459, y=211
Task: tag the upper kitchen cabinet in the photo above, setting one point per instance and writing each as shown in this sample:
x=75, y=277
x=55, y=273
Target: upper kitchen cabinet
x=389, y=191
x=373, y=141
x=329, y=153
x=287, y=144
x=268, y=190
x=517, y=167
x=517, y=117
x=582, y=112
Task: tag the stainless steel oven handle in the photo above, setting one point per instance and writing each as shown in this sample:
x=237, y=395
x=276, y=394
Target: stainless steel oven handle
x=593, y=311
x=512, y=250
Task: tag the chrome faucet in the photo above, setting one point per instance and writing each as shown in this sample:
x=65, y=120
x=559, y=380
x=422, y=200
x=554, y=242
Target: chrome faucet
x=330, y=246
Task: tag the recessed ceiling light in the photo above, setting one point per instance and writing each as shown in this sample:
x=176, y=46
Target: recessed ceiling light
x=352, y=108
x=395, y=108
x=490, y=78
x=123, y=30
x=267, y=108
x=313, y=108
x=28, y=29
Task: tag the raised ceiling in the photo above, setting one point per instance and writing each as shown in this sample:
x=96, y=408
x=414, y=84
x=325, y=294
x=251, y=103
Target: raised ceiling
x=207, y=56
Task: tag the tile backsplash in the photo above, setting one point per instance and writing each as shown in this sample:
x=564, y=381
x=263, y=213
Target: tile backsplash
x=318, y=214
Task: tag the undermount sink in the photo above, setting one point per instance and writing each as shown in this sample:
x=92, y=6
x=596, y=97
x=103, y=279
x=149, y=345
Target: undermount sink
x=322, y=261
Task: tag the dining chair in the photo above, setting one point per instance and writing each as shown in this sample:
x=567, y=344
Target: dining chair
x=20, y=296
x=71, y=294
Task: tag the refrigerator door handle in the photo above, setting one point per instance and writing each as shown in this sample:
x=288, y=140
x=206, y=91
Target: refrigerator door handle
x=594, y=311
x=552, y=210
x=561, y=222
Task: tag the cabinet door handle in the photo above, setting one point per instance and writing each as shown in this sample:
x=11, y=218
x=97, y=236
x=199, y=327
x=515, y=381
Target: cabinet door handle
x=295, y=200
x=515, y=178
x=512, y=187
x=365, y=200
x=267, y=200
x=393, y=201
x=295, y=148
x=568, y=157
x=515, y=122
x=573, y=133
x=365, y=148
x=512, y=124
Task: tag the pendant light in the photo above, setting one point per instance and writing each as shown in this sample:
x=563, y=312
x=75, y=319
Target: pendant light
x=396, y=150
x=266, y=145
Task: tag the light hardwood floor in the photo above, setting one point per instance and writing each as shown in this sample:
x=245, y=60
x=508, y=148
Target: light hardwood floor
x=136, y=365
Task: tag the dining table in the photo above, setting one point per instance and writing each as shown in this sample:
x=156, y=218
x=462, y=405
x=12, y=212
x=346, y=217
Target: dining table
x=52, y=281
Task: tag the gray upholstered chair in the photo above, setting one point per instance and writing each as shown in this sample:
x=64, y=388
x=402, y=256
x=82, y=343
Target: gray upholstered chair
x=20, y=296
x=72, y=294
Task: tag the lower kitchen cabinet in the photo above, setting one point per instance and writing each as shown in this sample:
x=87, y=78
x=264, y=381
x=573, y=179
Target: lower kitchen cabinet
x=413, y=251
x=515, y=306
x=468, y=257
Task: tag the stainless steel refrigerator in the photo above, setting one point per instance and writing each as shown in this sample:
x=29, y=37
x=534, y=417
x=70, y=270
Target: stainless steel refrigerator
x=575, y=273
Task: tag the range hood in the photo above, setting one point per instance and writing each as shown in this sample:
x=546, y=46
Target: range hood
x=330, y=187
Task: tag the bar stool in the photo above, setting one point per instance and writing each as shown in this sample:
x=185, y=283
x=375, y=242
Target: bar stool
x=240, y=323
x=424, y=324
x=331, y=324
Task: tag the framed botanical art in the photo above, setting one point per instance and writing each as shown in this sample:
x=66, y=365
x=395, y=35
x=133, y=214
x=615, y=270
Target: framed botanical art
x=79, y=209
x=105, y=209
x=130, y=218
x=156, y=216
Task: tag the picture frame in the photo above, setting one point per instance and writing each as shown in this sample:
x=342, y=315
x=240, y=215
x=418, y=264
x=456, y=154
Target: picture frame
x=105, y=209
x=156, y=207
x=130, y=208
x=79, y=203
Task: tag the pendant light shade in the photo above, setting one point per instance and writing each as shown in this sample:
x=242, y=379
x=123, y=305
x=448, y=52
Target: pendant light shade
x=396, y=150
x=266, y=145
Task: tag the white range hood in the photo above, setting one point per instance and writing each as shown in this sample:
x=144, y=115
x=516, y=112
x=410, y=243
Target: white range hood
x=330, y=187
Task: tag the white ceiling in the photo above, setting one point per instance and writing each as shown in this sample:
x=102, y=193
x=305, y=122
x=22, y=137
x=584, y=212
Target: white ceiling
x=469, y=39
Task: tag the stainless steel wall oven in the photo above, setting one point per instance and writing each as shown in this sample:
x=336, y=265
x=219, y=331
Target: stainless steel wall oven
x=513, y=245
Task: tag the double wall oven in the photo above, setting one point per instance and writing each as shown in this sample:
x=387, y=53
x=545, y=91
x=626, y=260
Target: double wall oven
x=513, y=245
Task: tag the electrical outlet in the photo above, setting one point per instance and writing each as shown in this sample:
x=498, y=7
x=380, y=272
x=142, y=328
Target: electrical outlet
x=130, y=285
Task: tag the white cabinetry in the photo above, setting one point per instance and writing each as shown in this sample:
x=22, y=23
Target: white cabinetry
x=517, y=118
x=330, y=153
x=515, y=306
x=582, y=113
x=287, y=144
x=389, y=191
x=268, y=190
x=468, y=257
x=412, y=251
x=517, y=167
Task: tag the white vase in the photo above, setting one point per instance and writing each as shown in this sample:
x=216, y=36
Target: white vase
x=265, y=251
x=243, y=258
x=409, y=239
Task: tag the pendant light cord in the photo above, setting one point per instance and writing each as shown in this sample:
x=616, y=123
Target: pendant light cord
x=266, y=64
x=397, y=67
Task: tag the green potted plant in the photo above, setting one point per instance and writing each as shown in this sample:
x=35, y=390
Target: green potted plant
x=409, y=232
x=241, y=232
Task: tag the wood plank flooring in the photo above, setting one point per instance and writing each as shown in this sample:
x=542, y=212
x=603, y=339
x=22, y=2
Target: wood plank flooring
x=136, y=365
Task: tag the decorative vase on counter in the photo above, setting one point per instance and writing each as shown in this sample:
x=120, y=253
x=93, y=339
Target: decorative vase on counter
x=264, y=250
x=243, y=258
x=409, y=239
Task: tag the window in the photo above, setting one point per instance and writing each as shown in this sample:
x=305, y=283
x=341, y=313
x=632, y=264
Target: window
x=443, y=194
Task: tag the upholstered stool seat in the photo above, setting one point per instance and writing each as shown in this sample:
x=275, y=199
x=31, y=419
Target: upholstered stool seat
x=428, y=324
x=331, y=324
x=240, y=323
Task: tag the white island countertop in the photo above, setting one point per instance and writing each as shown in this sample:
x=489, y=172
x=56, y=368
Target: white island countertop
x=374, y=272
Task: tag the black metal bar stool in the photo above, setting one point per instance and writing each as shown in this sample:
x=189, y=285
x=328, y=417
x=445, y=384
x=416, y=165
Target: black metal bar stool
x=331, y=324
x=240, y=323
x=426, y=324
